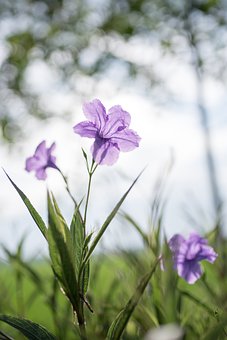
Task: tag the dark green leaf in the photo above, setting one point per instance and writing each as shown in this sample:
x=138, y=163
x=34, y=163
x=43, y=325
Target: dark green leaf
x=84, y=154
x=77, y=234
x=61, y=252
x=84, y=279
x=35, y=215
x=31, y=330
x=198, y=301
x=118, y=325
x=217, y=332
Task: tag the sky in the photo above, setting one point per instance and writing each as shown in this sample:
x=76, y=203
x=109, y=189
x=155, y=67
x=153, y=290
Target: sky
x=170, y=138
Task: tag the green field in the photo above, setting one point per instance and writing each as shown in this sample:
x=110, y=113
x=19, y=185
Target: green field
x=29, y=290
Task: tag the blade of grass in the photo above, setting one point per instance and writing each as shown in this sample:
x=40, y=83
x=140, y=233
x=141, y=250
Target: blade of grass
x=108, y=220
x=119, y=324
x=34, y=214
x=61, y=252
x=77, y=234
x=31, y=330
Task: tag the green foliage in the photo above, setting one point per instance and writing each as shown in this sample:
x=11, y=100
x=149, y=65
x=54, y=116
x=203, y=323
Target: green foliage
x=78, y=235
x=119, y=324
x=113, y=282
x=130, y=284
x=62, y=253
x=30, y=329
x=70, y=251
x=34, y=214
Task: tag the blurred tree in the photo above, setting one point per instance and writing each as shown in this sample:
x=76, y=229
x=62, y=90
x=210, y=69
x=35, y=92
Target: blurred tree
x=77, y=38
x=83, y=38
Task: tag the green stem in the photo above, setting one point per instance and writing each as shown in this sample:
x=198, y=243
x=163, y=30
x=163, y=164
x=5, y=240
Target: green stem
x=67, y=187
x=90, y=173
x=79, y=315
x=87, y=198
x=83, y=333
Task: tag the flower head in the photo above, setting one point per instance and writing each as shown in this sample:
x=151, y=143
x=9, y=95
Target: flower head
x=41, y=160
x=188, y=253
x=110, y=131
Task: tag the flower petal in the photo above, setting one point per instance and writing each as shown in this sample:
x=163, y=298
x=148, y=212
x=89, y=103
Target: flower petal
x=194, y=237
x=96, y=113
x=126, y=140
x=41, y=151
x=51, y=148
x=175, y=242
x=41, y=174
x=104, y=152
x=190, y=271
x=86, y=129
x=117, y=120
x=193, y=251
x=32, y=163
x=41, y=160
x=52, y=162
x=207, y=253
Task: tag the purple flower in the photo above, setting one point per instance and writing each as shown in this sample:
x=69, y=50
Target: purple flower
x=188, y=253
x=110, y=131
x=41, y=160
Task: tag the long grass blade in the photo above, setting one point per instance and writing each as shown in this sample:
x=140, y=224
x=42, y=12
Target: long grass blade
x=118, y=325
x=34, y=214
x=108, y=220
x=31, y=330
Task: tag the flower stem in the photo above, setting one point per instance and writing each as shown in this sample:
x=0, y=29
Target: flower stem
x=67, y=187
x=83, y=333
x=90, y=173
x=79, y=317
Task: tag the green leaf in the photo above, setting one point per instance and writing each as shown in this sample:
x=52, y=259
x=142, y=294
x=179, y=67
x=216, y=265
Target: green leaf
x=108, y=220
x=61, y=252
x=35, y=215
x=217, y=331
x=118, y=325
x=84, y=270
x=77, y=234
x=198, y=301
x=84, y=154
x=31, y=330
x=80, y=243
x=84, y=278
x=87, y=241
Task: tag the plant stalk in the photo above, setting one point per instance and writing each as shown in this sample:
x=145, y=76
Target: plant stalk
x=90, y=173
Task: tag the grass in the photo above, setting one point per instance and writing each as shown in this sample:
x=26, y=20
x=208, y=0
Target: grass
x=113, y=280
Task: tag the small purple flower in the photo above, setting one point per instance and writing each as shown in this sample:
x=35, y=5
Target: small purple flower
x=110, y=131
x=41, y=160
x=188, y=253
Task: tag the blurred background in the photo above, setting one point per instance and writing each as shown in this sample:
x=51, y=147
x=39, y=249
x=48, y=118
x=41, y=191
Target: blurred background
x=164, y=61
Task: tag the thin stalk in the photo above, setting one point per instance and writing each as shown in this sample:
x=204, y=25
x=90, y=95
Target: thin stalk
x=67, y=187
x=83, y=333
x=90, y=173
x=80, y=310
x=197, y=63
x=79, y=318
